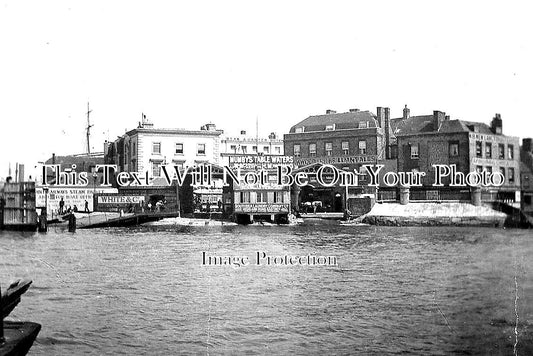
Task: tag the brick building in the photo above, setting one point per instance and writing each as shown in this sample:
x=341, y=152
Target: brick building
x=472, y=146
x=346, y=141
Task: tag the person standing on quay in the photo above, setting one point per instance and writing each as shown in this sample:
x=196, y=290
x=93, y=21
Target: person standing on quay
x=61, y=205
x=87, y=206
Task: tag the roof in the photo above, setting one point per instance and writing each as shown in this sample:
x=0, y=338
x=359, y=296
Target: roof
x=83, y=162
x=174, y=132
x=424, y=124
x=347, y=120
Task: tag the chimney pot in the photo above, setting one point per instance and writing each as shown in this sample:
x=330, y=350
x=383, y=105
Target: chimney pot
x=329, y=111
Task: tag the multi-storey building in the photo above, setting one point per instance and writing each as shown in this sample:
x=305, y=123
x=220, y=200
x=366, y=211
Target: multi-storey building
x=427, y=140
x=346, y=141
x=148, y=148
x=245, y=145
x=526, y=176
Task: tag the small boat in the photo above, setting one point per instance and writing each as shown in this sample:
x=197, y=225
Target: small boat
x=16, y=337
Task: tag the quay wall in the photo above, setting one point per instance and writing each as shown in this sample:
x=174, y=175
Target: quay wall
x=434, y=214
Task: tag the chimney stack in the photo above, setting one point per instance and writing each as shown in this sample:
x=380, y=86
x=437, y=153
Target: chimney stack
x=526, y=144
x=496, y=124
x=243, y=132
x=354, y=110
x=406, y=112
x=438, y=118
x=387, y=133
x=380, y=116
x=329, y=111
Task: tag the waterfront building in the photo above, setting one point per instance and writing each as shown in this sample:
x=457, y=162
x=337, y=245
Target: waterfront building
x=149, y=148
x=246, y=145
x=526, y=176
x=346, y=141
x=257, y=196
x=426, y=140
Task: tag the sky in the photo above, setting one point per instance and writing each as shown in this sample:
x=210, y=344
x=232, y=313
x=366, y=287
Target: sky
x=187, y=63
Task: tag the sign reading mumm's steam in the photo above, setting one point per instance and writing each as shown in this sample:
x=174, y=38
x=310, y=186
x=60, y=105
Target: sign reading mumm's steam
x=299, y=162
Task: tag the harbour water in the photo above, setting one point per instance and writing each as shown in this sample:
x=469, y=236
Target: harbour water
x=394, y=290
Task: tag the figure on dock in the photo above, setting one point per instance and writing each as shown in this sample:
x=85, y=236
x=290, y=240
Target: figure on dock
x=61, y=206
x=87, y=207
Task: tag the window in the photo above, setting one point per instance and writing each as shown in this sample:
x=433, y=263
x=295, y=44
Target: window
x=156, y=148
x=277, y=150
x=363, y=124
x=244, y=149
x=525, y=181
x=179, y=148
x=510, y=152
x=489, y=170
x=345, y=147
x=511, y=175
x=262, y=197
x=414, y=151
x=245, y=197
x=254, y=149
x=488, y=150
x=300, y=129
x=479, y=169
x=329, y=148
x=501, y=151
x=278, y=197
x=266, y=149
x=133, y=149
x=312, y=149
x=156, y=169
x=330, y=127
x=502, y=171
x=479, y=149
x=200, y=149
x=454, y=149
x=527, y=199
x=296, y=150
x=233, y=148
x=362, y=147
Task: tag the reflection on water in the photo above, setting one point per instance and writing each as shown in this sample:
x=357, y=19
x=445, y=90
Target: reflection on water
x=394, y=290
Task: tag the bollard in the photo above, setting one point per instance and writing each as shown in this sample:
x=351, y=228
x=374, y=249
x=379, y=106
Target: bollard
x=476, y=196
x=404, y=195
x=71, y=223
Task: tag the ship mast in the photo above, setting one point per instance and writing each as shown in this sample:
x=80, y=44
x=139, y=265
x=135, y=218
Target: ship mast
x=88, y=129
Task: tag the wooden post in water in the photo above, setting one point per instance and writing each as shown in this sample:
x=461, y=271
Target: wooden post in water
x=71, y=223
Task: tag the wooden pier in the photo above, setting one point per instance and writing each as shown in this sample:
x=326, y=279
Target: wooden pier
x=17, y=206
x=99, y=220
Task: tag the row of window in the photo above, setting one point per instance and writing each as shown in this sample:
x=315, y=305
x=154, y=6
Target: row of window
x=244, y=149
x=454, y=150
x=488, y=150
x=178, y=148
x=509, y=176
x=328, y=148
x=260, y=197
x=331, y=127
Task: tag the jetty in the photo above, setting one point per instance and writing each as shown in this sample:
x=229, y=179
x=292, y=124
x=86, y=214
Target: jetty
x=113, y=219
